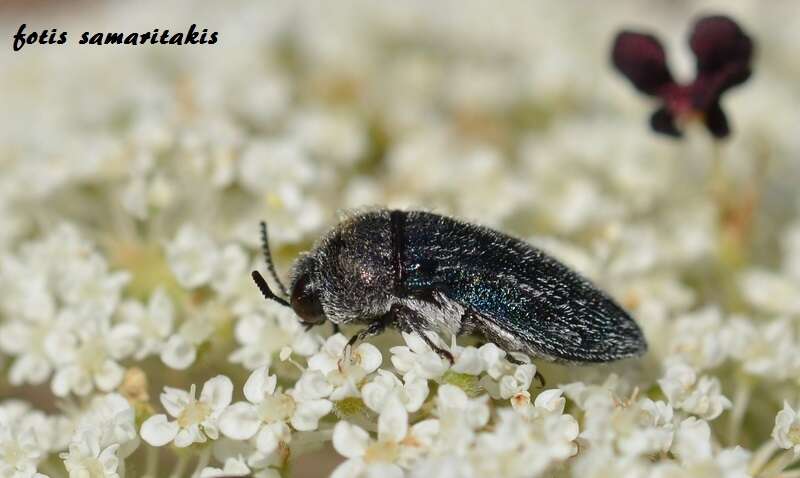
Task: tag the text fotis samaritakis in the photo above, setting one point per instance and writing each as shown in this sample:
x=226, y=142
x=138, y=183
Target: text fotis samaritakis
x=157, y=36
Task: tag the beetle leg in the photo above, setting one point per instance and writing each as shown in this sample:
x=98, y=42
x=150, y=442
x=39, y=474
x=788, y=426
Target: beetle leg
x=445, y=354
x=409, y=321
x=335, y=328
x=539, y=377
x=374, y=328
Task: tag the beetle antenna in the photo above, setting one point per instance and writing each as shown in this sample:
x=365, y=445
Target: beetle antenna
x=268, y=258
x=266, y=291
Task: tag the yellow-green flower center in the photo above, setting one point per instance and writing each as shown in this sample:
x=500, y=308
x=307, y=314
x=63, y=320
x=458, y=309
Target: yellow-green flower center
x=194, y=413
x=794, y=433
x=277, y=407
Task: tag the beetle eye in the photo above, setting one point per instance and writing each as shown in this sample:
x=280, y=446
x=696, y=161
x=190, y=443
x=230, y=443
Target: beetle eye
x=305, y=302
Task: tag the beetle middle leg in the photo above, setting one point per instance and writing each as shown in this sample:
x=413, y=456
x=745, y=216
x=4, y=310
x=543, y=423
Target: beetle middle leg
x=409, y=321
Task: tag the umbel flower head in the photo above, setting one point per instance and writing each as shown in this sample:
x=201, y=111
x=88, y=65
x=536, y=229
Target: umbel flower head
x=723, y=55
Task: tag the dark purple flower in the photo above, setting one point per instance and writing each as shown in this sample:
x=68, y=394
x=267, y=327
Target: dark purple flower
x=723, y=52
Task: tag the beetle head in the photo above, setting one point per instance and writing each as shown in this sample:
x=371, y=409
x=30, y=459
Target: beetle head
x=305, y=299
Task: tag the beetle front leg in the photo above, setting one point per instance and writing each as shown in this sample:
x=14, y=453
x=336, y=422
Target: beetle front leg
x=374, y=328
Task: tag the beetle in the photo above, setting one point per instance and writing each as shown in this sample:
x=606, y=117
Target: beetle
x=418, y=271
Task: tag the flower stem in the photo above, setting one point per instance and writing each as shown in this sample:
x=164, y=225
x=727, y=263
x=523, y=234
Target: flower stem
x=202, y=462
x=741, y=399
x=717, y=182
x=762, y=456
x=180, y=466
x=151, y=466
x=778, y=464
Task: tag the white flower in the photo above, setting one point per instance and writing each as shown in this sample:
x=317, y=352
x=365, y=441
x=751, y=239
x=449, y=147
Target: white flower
x=366, y=457
x=327, y=135
x=459, y=418
x=411, y=393
x=196, y=420
x=19, y=451
x=700, y=397
x=768, y=350
x=89, y=288
x=692, y=441
x=262, y=336
x=345, y=373
x=468, y=359
x=417, y=359
x=643, y=428
x=193, y=256
x=30, y=310
x=231, y=272
x=111, y=420
x=231, y=467
x=697, y=338
x=267, y=412
x=734, y=462
x=51, y=432
x=288, y=167
x=518, y=448
x=310, y=393
x=25, y=340
x=519, y=381
x=786, y=431
x=153, y=323
x=551, y=400
x=773, y=293
x=180, y=350
x=86, y=357
x=87, y=459
x=286, y=183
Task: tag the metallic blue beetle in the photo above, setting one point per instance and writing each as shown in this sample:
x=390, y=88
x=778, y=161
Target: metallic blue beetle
x=417, y=271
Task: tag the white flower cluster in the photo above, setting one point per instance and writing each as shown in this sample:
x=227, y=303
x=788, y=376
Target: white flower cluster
x=134, y=343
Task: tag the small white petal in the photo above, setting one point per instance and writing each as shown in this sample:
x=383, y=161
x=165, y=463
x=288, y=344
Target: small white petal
x=157, y=431
x=349, y=440
x=217, y=392
x=259, y=384
x=306, y=416
x=312, y=385
x=469, y=361
x=353, y=468
x=392, y=422
x=377, y=391
x=108, y=458
x=234, y=466
x=109, y=376
x=185, y=437
x=368, y=357
x=60, y=385
x=692, y=441
x=551, y=400
x=175, y=400
x=178, y=353
x=416, y=391
x=267, y=441
x=240, y=421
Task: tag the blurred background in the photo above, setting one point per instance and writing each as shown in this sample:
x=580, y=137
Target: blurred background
x=506, y=114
